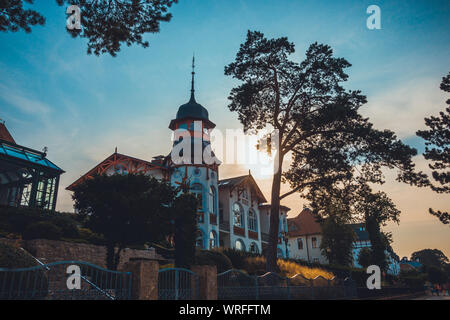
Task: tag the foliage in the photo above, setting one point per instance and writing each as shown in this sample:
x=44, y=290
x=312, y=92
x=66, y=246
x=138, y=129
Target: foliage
x=365, y=257
x=289, y=269
x=91, y=237
x=214, y=258
x=238, y=258
x=42, y=230
x=436, y=275
x=108, y=24
x=317, y=122
x=430, y=258
x=185, y=211
x=125, y=209
x=16, y=220
x=337, y=240
x=412, y=279
x=14, y=258
x=437, y=150
x=14, y=17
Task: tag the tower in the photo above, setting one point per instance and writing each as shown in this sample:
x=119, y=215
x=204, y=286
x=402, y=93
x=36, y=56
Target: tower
x=192, y=128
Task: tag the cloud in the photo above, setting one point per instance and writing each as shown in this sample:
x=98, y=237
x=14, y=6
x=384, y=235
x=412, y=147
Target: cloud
x=404, y=107
x=18, y=99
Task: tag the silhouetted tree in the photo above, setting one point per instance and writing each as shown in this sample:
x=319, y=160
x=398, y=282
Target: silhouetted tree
x=126, y=209
x=185, y=211
x=107, y=24
x=337, y=240
x=14, y=17
x=437, y=150
x=317, y=121
x=430, y=258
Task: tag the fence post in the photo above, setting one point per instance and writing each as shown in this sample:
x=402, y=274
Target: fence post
x=144, y=275
x=207, y=276
x=257, y=287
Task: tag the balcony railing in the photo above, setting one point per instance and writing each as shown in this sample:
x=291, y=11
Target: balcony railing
x=224, y=225
x=264, y=237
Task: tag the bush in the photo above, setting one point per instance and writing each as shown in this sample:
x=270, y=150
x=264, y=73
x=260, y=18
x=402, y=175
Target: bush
x=238, y=258
x=67, y=225
x=91, y=237
x=14, y=258
x=42, y=230
x=213, y=258
x=413, y=279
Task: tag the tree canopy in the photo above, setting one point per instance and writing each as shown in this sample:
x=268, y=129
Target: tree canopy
x=430, y=258
x=107, y=24
x=437, y=150
x=14, y=17
x=316, y=120
x=126, y=209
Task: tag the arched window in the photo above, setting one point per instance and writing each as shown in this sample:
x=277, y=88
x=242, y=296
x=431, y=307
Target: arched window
x=199, y=240
x=212, y=239
x=197, y=190
x=238, y=213
x=213, y=201
x=239, y=245
x=254, y=248
x=252, y=221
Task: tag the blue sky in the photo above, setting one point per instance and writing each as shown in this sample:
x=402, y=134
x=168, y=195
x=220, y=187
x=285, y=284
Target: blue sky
x=81, y=107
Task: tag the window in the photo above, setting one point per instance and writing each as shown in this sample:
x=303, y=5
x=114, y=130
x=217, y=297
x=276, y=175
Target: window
x=314, y=242
x=212, y=239
x=220, y=212
x=252, y=221
x=300, y=243
x=254, y=248
x=197, y=190
x=238, y=213
x=239, y=245
x=213, y=201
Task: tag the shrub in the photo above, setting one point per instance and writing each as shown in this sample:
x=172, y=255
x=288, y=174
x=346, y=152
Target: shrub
x=67, y=225
x=213, y=258
x=290, y=269
x=237, y=257
x=42, y=230
x=14, y=258
x=91, y=237
x=413, y=279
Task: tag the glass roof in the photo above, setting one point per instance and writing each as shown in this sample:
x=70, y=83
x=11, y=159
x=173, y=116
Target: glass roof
x=26, y=154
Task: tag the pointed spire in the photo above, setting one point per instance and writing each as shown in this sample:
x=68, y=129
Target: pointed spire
x=193, y=74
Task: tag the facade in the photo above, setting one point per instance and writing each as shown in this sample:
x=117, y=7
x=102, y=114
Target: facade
x=305, y=237
x=27, y=177
x=232, y=213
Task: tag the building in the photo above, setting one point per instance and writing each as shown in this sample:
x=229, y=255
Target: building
x=232, y=213
x=27, y=177
x=305, y=237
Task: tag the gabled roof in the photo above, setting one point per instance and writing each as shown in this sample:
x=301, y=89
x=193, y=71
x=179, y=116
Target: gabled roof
x=4, y=133
x=304, y=224
x=361, y=235
x=127, y=163
x=242, y=180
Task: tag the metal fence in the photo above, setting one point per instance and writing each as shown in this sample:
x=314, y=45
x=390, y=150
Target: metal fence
x=177, y=284
x=236, y=284
x=61, y=281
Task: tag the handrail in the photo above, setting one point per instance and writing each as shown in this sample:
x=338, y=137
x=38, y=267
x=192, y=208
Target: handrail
x=37, y=260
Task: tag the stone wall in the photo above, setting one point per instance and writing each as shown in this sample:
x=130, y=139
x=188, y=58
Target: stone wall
x=51, y=251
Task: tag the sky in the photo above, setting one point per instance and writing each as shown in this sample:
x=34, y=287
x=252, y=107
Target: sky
x=82, y=106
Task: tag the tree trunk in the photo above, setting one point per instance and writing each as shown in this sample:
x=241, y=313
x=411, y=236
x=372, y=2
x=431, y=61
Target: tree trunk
x=117, y=257
x=110, y=256
x=271, y=258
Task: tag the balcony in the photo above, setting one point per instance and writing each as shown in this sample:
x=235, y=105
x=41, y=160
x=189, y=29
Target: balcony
x=224, y=226
x=212, y=219
x=239, y=231
x=264, y=237
x=253, y=235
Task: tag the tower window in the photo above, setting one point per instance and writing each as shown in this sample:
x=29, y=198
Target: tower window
x=197, y=190
x=238, y=213
x=252, y=221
